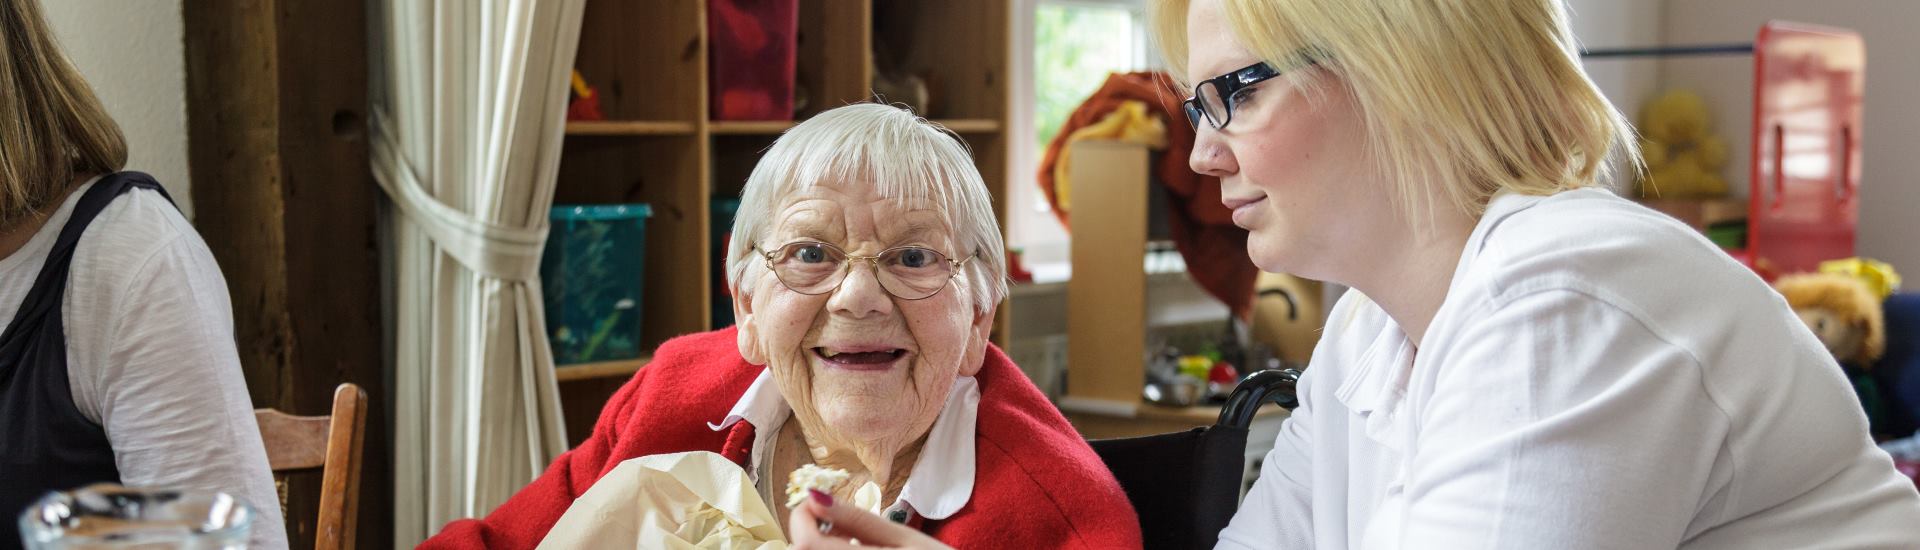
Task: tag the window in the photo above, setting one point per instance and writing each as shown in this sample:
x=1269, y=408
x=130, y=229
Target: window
x=1075, y=47
x=1064, y=52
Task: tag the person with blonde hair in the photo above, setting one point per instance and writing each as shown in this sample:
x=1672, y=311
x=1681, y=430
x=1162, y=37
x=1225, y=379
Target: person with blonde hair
x=1525, y=360
x=118, y=362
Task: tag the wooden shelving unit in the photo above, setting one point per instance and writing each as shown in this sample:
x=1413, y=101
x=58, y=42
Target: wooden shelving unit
x=607, y=369
x=771, y=127
x=630, y=128
x=750, y=127
x=648, y=59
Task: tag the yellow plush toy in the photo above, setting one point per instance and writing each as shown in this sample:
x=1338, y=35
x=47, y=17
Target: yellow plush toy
x=1843, y=311
x=1683, y=157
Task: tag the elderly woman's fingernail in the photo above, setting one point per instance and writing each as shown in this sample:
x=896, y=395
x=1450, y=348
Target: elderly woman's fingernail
x=822, y=498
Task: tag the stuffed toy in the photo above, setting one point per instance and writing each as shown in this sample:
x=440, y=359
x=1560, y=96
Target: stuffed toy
x=1843, y=312
x=1879, y=276
x=1683, y=157
x=585, y=104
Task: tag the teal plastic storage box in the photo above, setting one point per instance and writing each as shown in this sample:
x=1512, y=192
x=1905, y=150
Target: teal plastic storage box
x=592, y=274
x=720, y=221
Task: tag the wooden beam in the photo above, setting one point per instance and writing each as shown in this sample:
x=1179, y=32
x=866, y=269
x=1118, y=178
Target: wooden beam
x=233, y=153
x=276, y=104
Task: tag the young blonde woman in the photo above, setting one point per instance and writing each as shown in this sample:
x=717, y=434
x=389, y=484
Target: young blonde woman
x=117, y=361
x=1526, y=361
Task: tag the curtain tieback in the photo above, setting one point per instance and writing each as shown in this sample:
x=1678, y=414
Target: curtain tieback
x=493, y=250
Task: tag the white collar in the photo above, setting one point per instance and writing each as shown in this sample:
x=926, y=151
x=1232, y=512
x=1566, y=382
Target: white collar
x=942, y=480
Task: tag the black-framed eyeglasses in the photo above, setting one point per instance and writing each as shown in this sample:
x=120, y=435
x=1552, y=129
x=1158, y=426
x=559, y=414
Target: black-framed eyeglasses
x=1215, y=98
x=906, y=272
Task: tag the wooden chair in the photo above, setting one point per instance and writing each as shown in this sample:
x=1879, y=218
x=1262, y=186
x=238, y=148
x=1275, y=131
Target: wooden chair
x=331, y=444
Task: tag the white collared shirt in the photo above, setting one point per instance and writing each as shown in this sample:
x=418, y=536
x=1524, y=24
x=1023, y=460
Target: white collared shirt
x=941, y=482
x=1599, y=376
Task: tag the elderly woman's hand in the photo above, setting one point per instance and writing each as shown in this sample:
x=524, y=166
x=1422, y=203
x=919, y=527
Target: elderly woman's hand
x=848, y=524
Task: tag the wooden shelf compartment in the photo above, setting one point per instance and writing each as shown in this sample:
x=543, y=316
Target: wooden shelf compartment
x=630, y=128
x=831, y=65
x=776, y=127
x=669, y=174
x=749, y=127
x=964, y=82
x=646, y=58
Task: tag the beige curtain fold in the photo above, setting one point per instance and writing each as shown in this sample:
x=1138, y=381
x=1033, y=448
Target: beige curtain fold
x=469, y=113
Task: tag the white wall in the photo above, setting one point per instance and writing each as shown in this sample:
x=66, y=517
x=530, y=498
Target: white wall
x=1890, y=168
x=132, y=52
x=1602, y=24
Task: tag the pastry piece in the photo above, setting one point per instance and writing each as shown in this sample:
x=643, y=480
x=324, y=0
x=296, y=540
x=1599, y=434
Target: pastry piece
x=813, y=476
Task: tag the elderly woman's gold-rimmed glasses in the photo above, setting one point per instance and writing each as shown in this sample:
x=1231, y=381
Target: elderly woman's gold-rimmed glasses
x=906, y=272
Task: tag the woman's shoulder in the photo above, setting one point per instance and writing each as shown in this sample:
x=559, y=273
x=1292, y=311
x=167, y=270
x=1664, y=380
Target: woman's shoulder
x=140, y=252
x=1580, y=229
x=1597, y=244
x=1043, y=492
x=1034, y=469
x=1631, y=279
x=135, y=228
x=1013, y=414
x=688, y=382
x=1026, y=496
x=698, y=365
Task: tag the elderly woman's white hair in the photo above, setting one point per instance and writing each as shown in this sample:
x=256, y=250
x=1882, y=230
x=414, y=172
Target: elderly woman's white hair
x=904, y=156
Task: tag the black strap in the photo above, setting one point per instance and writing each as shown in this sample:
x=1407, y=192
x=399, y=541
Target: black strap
x=49, y=287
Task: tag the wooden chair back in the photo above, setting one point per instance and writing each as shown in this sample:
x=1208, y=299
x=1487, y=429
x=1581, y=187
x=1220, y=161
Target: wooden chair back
x=331, y=444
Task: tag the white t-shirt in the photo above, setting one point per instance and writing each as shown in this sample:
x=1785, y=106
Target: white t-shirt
x=1599, y=376
x=150, y=352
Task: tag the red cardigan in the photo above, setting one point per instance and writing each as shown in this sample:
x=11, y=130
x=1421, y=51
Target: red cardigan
x=1037, y=483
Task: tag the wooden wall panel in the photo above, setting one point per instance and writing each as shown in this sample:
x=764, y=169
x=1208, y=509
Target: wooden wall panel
x=276, y=104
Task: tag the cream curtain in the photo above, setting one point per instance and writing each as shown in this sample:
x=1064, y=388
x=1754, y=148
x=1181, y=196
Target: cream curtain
x=469, y=102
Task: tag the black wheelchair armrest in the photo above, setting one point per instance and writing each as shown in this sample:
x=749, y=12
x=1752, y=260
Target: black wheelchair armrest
x=1258, y=388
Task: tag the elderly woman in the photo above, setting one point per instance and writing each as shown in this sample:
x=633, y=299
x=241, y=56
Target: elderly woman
x=866, y=266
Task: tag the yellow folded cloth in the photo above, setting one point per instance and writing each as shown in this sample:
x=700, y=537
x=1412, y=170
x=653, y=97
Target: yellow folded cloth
x=680, y=501
x=1129, y=123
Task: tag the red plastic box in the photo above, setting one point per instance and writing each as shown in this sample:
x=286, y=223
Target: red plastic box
x=753, y=45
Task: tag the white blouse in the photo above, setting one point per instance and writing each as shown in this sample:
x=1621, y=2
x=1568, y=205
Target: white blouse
x=1599, y=376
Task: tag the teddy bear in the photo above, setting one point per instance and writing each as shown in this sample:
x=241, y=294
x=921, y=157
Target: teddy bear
x=1683, y=156
x=1844, y=313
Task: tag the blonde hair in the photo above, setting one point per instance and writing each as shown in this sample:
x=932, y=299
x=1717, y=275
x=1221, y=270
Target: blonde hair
x=52, y=128
x=1478, y=95
x=905, y=157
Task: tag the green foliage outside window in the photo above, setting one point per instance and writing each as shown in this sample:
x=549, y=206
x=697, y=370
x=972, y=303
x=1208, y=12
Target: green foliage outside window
x=1075, y=47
